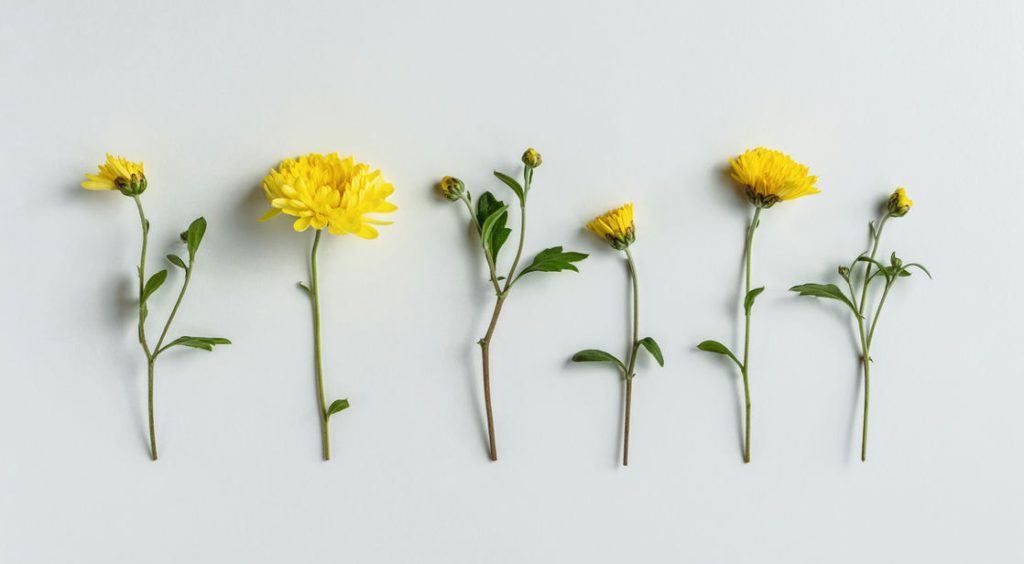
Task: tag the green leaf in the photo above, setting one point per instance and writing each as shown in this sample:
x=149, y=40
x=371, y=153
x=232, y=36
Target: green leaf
x=304, y=288
x=595, y=355
x=824, y=291
x=553, y=260
x=487, y=205
x=719, y=348
x=493, y=232
x=512, y=183
x=652, y=347
x=205, y=343
x=152, y=285
x=865, y=258
x=918, y=265
x=176, y=261
x=194, y=236
x=336, y=406
x=748, y=302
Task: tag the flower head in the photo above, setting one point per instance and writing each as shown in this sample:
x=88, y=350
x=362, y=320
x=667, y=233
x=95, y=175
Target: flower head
x=118, y=173
x=615, y=226
x=327, y=191
x=452, y=188
x=531, y=158
x=772, y=176
x=899, y=203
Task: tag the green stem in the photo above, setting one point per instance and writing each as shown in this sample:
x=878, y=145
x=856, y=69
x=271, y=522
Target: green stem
x=485, y=352
x=314, y=292
x=865, y=336
x=519, y=250
x=631, y=370
x=150, y=357
x=746, y=334
x=177, y=304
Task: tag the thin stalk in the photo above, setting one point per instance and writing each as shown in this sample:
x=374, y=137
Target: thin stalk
x=485, y=350
x=631, y=370
x=177, y=304
x=746, y=334
x=866, y=335
x=314, y=293
x=150, y=357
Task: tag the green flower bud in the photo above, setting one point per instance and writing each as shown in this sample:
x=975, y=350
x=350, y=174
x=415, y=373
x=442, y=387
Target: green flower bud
x=132, y=186
x=452, y=188
x=531, y=158
x=844, y=272
x=899, y=203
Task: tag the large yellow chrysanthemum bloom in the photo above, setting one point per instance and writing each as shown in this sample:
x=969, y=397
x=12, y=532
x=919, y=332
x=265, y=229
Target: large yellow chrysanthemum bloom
x=327, y=191
x=615, y=226
x=118, y=173
x=772, y=176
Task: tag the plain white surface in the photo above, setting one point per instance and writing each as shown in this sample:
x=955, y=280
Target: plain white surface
x=640, y=102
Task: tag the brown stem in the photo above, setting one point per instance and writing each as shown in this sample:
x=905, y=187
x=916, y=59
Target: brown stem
x=485, y=349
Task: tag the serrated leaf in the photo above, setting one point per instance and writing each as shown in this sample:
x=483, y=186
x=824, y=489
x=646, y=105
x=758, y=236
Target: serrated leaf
x=176, y=261
x=553, y=260
x=652, y=347
x=336, y=406
x=596, y=355
x=748, y=301
x=830, y=291
x=152, y=285
x=511, y=183
x=718, y=348
x=194, y=235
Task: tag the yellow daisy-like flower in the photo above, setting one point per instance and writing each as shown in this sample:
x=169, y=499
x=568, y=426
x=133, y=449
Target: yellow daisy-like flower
x=615, y=226
x=772, y=176
x=327, y=191
x=899, y=203
x=118, y=173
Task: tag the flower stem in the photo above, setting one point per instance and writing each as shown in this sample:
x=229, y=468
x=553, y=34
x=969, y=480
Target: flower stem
x=631, y=370
x=314, y=293
x=485, y=350
x=150, y=357
x=866, y=335
x=746, y=333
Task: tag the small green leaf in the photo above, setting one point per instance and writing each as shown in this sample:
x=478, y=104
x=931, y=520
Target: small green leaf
x=152, y=285
x=176, y=261
x=336, y=406
x=205, y=343
x=652, y=347
x=512, y=183
x=194, y=236
x=917, y=265
x=719, y=348
x=824, y=291
x=595, y=355
x=553, y=260
x=487, y=205
x=303, y=287
x=748, y=301
x=491, y=232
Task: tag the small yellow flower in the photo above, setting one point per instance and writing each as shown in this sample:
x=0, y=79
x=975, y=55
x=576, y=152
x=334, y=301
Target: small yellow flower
x=531, y=158
x=327, y=191
x=772, y=176
x=615, y=226
x=899, y=203
x=118, y=173
x=452, y=188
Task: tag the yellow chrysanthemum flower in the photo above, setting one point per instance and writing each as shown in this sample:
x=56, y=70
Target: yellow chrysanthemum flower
x=615, y=226
x=118, y=173
x=327, y=191
x=772, y=176
x=899, y=203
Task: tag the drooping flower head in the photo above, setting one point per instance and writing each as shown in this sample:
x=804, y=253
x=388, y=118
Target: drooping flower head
x=452, y=188
x=118, y=173
x=772, y=176
x=899, y=203
x=327, y=191
x=615, y=226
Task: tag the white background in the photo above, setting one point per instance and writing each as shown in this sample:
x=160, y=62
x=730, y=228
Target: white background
x=626, y=102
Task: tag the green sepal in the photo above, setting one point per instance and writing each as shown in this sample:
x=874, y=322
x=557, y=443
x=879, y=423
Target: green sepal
x=719, y=348
x=152, y=285
x=553, y=260
x=748, y=301
x=596, y=355
x=336, y=406
x=830, y=291
x=652, y=347
x=512, y=183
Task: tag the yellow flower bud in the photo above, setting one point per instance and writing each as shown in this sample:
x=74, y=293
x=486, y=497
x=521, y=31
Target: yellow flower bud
x=616, y=227
x=531, y=158
x=899, y=203
x=118, y=173
x=452, y=188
